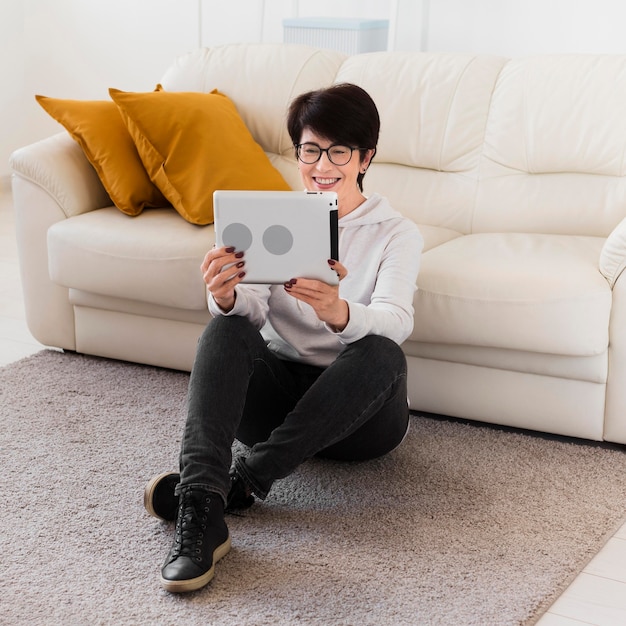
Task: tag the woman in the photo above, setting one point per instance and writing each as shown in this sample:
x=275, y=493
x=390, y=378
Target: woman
x=300, y=369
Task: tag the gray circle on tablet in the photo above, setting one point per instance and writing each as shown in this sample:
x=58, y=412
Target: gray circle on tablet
x=237, y=235
x=277, y=239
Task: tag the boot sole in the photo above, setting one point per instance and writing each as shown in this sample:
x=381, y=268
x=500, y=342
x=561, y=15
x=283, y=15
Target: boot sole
x=148, y=495
x=183, y=586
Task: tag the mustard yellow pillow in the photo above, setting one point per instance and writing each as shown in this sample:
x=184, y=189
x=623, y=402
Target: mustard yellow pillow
x=100, y=131
x=192, y=144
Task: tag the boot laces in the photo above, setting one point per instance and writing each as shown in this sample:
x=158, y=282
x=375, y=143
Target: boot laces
x=190, y=526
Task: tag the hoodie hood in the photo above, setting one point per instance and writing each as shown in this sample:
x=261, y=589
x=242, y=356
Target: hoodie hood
x=374, y=210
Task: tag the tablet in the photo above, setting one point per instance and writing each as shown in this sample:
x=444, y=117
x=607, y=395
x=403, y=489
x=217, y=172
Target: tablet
x=284, y=234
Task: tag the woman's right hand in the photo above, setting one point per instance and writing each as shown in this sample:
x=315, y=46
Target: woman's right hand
x=222, y=272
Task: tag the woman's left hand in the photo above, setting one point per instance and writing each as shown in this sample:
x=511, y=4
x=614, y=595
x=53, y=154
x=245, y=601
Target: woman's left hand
x=324, y=298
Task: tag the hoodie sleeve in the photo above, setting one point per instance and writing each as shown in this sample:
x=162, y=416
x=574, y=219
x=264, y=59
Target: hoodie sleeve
x=390, y=310
x=251, y=302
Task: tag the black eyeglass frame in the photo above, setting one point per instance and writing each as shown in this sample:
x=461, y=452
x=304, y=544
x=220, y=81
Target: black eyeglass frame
x=298, y=147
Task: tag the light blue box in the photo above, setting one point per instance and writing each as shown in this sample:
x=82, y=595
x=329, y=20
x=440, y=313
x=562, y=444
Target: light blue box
x=347, y=35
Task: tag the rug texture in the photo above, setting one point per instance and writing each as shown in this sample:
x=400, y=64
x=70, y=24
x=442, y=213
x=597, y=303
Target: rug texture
x=463, y=524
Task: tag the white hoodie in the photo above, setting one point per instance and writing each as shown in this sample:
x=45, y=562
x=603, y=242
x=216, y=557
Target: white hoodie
x=381, y=250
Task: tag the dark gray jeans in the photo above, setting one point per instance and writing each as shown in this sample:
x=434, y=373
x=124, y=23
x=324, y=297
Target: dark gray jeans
x=287, y=412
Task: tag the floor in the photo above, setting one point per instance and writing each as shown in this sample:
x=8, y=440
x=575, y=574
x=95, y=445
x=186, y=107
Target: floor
x=597, y=596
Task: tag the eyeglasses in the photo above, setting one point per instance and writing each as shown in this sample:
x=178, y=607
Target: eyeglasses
x=310, y=153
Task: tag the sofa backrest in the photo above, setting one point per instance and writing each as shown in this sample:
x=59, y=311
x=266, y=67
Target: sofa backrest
x=433, y=110
x=470, y=143
x=261, y=79
x=555, y=147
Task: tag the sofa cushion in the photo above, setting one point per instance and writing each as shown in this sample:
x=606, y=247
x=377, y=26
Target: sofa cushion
x=192, y=144
x=153, y=258
x=99, y=129
x=536, y=293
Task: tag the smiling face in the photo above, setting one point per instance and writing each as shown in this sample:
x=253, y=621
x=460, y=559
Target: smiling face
x=343, y=114
x=326, y=176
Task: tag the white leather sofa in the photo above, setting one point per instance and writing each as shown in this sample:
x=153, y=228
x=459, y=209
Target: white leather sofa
x=513, y=169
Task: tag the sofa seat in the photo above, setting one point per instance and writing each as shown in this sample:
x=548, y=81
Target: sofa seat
x=591, y=369
x=107, y=253
x=515, y=291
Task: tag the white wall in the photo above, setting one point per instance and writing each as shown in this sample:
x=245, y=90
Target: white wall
x=79, y=48
x=520, y=27
x=12, y=70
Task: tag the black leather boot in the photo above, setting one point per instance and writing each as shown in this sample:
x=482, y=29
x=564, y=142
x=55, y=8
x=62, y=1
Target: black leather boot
x=160, y=500
x=201, y=540
x=159, y=497
x=239, y=497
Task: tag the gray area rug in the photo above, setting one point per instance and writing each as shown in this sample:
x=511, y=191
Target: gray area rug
x=463, y=524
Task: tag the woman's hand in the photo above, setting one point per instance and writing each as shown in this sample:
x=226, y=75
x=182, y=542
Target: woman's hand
x=324, y=298
x=222, y=272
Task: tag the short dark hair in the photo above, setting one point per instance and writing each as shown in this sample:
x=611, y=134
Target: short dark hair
x=343, y=113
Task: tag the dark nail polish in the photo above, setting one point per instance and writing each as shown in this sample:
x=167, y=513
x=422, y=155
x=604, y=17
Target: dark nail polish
x=230, y=249
x=241, y=264
x=331, y=261
x=242, y=274
x=239, y=255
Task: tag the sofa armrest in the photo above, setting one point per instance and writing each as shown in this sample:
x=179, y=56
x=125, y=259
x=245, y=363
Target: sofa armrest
x=52, y=181
x=59, y=166
x=613, y=254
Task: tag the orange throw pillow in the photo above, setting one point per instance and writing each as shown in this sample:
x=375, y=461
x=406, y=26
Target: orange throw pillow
x=100, y=131
x=192, y=144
